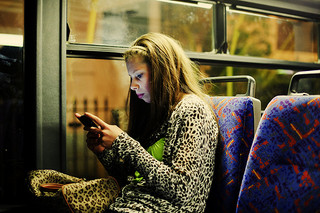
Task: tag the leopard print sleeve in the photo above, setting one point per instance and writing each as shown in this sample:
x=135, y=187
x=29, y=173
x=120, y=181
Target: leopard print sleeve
x=184, y=176
x=115, y=166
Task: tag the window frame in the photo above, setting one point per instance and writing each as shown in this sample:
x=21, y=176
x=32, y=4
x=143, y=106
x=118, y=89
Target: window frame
x=277, y=7
x=44, y=60
x=107, y=52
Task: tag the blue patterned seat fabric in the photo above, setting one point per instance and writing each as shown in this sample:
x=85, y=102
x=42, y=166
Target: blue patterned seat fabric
x=283, y=170
x=236, y=126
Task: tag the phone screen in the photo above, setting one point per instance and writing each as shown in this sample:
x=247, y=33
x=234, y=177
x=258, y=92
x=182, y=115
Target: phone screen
x=87, y=122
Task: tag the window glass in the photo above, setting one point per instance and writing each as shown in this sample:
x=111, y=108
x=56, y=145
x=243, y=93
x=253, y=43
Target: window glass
x=99, y=87
x=11, y=100
x=309, y=85
x=250, y=34
x=269, y=83
x=119, y=23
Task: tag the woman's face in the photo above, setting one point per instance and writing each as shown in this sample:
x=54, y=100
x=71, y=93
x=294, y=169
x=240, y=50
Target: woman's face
x=139, y=72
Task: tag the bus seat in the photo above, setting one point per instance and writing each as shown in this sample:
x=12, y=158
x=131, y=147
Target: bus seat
x=237, y=117
x=283, y=169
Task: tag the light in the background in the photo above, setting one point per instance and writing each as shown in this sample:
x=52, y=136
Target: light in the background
x=285, y=72
x=11, y=40
x=189, y=3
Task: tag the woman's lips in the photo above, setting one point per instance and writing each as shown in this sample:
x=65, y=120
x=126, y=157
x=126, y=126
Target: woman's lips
x=140, y=95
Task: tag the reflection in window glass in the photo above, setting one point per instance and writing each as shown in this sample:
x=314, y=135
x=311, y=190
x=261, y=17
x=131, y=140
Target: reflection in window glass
x=269, y=83
x=271, y=37
x=222, y=88
x=310, y=86
x=119, y=23
x=11, y=101
x=99, y=87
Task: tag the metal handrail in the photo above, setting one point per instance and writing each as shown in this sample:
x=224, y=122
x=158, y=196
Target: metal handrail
x=251, y=88
x=293, y=86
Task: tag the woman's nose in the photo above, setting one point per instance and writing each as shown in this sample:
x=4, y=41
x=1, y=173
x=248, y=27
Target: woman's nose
x=134, y=85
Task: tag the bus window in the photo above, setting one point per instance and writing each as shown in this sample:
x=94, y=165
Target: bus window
x=273, y=37
x=101, y=30
x=96, y=86
x=12, y=143
x=118, y=23
x=269, y=83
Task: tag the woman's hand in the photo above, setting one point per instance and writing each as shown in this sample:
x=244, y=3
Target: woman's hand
x=101, y=138
x=93, y=143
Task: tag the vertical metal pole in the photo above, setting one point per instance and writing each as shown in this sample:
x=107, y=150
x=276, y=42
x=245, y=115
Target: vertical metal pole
x=48, y=76
x=220, y=28
x=63, y=85
x=221, y=44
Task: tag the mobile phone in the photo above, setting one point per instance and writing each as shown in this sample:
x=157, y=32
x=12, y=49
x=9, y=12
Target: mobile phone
x=86, y=121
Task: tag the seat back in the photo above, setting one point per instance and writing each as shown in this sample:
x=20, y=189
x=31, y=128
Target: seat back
x=237, y=118
x=283, y=170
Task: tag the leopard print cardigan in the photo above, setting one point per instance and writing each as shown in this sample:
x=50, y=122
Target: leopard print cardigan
x=179, y=183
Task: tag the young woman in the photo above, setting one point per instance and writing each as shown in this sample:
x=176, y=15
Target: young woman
x=169, y=149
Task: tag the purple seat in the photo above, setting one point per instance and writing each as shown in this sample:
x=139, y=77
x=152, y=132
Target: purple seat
x=236, y=118
x=283, y=169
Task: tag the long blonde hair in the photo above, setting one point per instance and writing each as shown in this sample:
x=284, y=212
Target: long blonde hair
x=172, y=74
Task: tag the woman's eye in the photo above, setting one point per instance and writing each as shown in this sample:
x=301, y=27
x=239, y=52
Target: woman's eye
x=139, y=76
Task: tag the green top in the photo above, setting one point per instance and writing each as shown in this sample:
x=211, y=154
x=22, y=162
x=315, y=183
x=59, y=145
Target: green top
x=156, y=150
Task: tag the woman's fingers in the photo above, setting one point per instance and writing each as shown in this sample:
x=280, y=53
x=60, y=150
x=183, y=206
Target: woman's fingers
x=98, y=138
x=94, y=143
x=77, y=115
x=101, y=137
x=93, y=130
x=97, y=120
x=92, y=135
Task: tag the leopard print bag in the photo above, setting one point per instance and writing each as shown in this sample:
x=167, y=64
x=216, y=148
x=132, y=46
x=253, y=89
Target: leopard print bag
x=66, y=193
